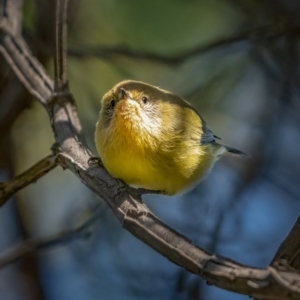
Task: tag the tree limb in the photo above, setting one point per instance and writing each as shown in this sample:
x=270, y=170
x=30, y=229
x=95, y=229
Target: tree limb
x=60, y=58
x=9, y=188
x=135, y=216
x=32, y=245
x=252, y=35
x=29, y=71
x=289, y=250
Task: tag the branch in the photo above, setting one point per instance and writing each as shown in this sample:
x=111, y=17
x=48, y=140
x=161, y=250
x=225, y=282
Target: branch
x=102, y=52
x=127, y=205
x=32, y=245
x=13, y=100
x=288, y=254
x=60, y=58
x=9, y=188
x=12, y=12
x=29, y=71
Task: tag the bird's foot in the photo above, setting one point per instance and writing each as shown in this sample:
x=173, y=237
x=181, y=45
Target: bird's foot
x=95, y=160
x=142, y=191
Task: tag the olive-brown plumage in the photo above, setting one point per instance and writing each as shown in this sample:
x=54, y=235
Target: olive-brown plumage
x=153, y=139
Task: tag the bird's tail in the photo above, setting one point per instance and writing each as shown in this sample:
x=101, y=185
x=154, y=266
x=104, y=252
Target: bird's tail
x=220, y=150
x=236, y=152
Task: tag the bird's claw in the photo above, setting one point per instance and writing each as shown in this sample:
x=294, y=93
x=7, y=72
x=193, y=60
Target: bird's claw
x=95, y=160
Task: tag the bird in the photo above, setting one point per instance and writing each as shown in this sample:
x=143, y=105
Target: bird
x=153, y=139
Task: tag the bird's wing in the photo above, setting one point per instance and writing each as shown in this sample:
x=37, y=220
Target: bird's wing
x=207, y=135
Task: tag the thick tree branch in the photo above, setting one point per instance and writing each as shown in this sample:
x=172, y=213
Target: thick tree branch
x=126, y=204
x=9, y=188
x=288, y=253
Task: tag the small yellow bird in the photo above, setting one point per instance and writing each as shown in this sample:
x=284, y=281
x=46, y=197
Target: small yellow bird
x=153, y=139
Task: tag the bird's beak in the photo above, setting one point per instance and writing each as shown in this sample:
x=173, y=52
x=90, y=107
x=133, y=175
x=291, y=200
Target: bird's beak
x=123, y=94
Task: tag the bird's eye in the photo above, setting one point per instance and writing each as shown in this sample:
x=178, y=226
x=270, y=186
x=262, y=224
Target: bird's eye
x=145, y=99
x=112, y=104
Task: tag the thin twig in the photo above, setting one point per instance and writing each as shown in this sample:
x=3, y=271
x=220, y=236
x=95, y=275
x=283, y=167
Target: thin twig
x=9, y=188
x=267, y=32
x=32, y=245
x=27, y=68
x=60, y=58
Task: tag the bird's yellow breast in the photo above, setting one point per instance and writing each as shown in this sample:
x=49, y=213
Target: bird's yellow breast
x=131, y=152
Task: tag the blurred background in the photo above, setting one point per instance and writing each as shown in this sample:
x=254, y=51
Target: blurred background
x=236, y=61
